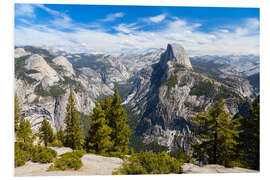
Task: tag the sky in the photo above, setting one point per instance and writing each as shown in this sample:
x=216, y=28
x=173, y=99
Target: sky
x=134, y=29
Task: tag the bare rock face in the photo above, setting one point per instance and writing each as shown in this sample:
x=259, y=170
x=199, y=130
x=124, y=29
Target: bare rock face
x=177, y=54
x=136, y=62
x=168, y=94
x=188, y=168
x=20, y=52
x=65, y=64
x=45, y=73
x=46, y=94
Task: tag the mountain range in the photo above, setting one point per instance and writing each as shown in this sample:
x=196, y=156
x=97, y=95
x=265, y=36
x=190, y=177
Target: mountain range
x=163, y=88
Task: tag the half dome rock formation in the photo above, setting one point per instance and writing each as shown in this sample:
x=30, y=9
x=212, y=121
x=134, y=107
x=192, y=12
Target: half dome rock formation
x=43, y=71
x=169, y=93
x=175, y=53
x=65, y=64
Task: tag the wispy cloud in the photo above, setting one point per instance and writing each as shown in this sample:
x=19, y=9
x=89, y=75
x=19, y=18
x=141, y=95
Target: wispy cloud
x=126, y=28
x=25, y=10
x=158, y=18
x=242, y=38
x=112, y=17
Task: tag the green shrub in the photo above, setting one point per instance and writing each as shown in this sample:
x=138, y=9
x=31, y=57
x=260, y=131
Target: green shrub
x=57, y=143
x=150, y=163
x=225, y=92
x=79, y=153
x=22, y=153
x=69, y=160
x=178, y=67
x=53, y=91
x=171, y=82
x=115, y=154
x=203, y=88
x=131, y=168
x=25, y=152
x=43, y=155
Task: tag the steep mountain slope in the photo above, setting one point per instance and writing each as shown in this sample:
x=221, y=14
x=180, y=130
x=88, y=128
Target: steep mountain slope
x=135, y=62
x=233, y=71
x=163, y=87
x=43, y=83
x=167, y=94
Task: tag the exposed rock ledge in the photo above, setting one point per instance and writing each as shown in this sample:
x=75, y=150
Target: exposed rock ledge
x=92, y=165
x=188, y=168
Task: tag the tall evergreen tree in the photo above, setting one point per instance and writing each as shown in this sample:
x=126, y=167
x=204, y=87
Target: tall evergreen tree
x=118, y=121
x=217, y=134
x=73, y=132
x=60, y=135
x=46, y=132
x=250, y=137
x=24, y=132
x=17, y=116
x=98, y=139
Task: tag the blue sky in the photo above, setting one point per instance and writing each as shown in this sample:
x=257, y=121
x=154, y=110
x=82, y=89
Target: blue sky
x=118, y=29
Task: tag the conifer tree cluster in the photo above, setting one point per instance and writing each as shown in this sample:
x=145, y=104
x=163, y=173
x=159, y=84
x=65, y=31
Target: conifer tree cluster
x=217, y=134
x=109, y=131
x=227, y=141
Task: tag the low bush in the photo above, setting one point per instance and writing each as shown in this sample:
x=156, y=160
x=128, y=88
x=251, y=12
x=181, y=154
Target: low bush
x=79, y=153
x=57, y=143
x=25, y=152
x=150, y=163
x=22, y=153
x=115, y=154
x=43, y=155
x=69, y=160
x=203, y=88
x=171, y=82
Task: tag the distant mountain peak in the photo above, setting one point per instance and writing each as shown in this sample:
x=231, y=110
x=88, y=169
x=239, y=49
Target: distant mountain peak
x=176, y=52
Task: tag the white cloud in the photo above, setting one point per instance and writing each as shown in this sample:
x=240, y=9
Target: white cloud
x=53, y=12
x=25, y=21
x=158, y=18
x=224, y=30
x=126, y=28
x=112, y=17
x=240, y=39
x=25, y=10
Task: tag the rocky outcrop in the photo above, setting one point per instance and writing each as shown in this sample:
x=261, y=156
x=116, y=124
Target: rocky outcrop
x=167, y=94
x=188, y=168
x=135, y=62
x=44, y=73
x=65, y=64
x=20, y=52
x=47, y=94
x=240, y=65
x=175, y=53
x=92, y=165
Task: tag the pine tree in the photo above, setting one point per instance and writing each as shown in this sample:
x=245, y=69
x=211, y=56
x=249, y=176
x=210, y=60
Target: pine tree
x=118, y=121
x=98, y=139
x=250, y=137
x=73, y=132
x=24, y=131
x=217, y=134
x=60, y=136
x=46, y=132
x=17, y=116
